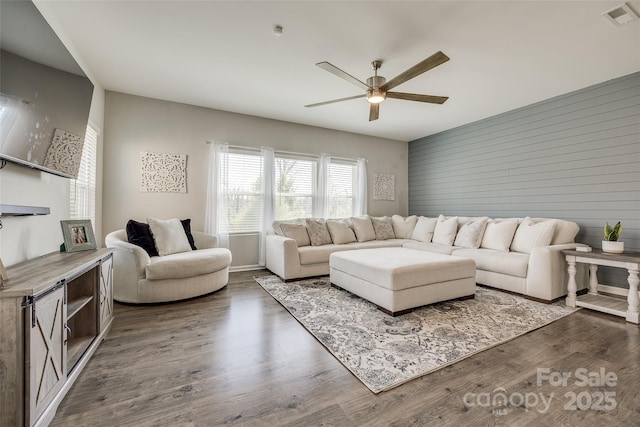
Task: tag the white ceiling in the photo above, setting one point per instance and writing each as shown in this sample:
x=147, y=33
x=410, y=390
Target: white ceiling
x=224, y=55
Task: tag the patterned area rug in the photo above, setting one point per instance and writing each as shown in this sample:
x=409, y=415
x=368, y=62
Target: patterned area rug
x=383, y=351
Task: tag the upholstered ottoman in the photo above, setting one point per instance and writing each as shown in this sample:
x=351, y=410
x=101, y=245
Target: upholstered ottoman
x=399, y=279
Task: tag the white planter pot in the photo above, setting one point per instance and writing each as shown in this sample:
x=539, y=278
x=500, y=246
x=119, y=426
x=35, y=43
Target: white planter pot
x=612, y=247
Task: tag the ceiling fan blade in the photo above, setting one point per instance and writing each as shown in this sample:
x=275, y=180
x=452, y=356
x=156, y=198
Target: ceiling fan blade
x=343, y=75
x=374, y=112
x=335, y=100
x=420, y=98
x=429, y=63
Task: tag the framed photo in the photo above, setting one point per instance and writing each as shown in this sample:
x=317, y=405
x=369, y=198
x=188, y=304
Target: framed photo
x=78, y=235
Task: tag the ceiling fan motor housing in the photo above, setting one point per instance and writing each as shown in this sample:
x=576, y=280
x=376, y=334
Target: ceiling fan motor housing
x=376, y=81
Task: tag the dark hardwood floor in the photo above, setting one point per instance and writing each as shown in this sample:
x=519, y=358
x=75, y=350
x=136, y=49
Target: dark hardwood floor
x=237, y=357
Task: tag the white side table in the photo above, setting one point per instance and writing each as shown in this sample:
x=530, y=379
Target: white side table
x=616, y=306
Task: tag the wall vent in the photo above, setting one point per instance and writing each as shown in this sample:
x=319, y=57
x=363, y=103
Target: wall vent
x=620, y=15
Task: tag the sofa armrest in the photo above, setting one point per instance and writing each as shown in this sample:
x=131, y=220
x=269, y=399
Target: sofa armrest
x=129, y=256
x=204, y=240
x=547, y=272
x=282, y=256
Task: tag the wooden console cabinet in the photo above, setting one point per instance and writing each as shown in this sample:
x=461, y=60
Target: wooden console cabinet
x=54, y=312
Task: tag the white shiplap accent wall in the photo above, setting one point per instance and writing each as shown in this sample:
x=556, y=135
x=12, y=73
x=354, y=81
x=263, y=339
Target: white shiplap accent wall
x=576, y=156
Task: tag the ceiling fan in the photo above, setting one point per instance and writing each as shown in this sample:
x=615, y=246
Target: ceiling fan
x=378, y=88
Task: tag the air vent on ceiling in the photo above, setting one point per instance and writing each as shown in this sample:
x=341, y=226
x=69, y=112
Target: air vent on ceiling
x=620, y=15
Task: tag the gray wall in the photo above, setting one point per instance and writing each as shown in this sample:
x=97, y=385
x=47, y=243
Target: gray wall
x=576, y=156
x=134, y=124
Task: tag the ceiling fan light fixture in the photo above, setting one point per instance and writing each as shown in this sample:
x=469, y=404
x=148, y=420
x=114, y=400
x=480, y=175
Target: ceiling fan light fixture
x=376, y=96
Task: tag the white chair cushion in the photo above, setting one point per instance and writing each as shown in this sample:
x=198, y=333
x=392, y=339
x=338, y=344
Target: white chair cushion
x=530, y=235
x=470, y=234
x=363, y=228
x=318, y=232
x=446, y=230
x=509, y=263
x=188, y=264
x=403, y=227
x=565, y=232
x=340, y=231
x=169, y=236
x=297, y=232
x=383, y=228
x=423, y=231
x=498, y=234
x=320, y=254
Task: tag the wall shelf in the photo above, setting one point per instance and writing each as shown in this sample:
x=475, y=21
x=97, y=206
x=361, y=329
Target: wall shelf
x=17, y=210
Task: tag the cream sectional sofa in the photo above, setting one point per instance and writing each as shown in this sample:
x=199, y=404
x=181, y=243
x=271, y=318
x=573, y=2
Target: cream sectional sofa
x=520, y=255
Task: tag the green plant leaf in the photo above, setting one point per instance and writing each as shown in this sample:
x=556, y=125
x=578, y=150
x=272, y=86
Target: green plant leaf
x=612, y=234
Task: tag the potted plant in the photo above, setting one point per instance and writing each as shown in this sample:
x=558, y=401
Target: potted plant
x=610, y=243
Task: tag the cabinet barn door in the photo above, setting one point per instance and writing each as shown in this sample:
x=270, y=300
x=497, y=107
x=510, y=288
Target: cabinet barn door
x=47, y=375
x=106, y=292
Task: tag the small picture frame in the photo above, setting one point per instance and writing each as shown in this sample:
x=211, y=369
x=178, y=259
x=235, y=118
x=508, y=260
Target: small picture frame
x=78, y=235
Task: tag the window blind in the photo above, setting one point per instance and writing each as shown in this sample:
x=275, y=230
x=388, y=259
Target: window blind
x=244, y=195
x=82, y=190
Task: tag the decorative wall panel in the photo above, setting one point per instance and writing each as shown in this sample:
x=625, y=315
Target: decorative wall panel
x=163, y=172
x=384, y=186
x=65, y=152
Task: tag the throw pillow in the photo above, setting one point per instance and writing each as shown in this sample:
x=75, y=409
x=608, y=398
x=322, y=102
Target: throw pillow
x=382, y=228
x=423, y=231
x=139, y=234
x=530, y=235
x=499, y=234
x=277, y=223
x=363, y=228
x=296, y=232
x=186, y=224
x=565, y=232
x=403, y=227
x=318, y=233
x=470, y=234
x=340, y=231
x=446, y=230
x=169, y=236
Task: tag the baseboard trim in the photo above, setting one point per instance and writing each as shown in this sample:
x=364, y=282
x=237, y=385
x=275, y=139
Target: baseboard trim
x=245, y=268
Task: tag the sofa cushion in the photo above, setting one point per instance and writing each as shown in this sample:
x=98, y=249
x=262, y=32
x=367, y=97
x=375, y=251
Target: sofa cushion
x=297, y=232
x=530, y=235
x=565, y=231
x=188, y=264
x=423, y=231
x=389, y=243
x=403, y=227
x=383, y=228
x=445, y=231
x=169, y=236
x=139, y=234
x=340, y=231
x=186, y=224
x=320, y=254
x=318, y=232
x=430, y=247
x=363, y=228
x=498, y=234
x=509, y=263
x=470, y=234
x=276, y=225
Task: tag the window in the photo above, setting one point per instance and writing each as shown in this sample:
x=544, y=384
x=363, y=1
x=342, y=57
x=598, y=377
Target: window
x=299, y=186
x=341, y=189
x=244, y=191
x=295, y=186
x=82, y=190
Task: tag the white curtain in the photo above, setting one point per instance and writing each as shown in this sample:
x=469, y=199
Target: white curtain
x=361, y=188
x=321, y=205
x=269, y=205
x=216, y=215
